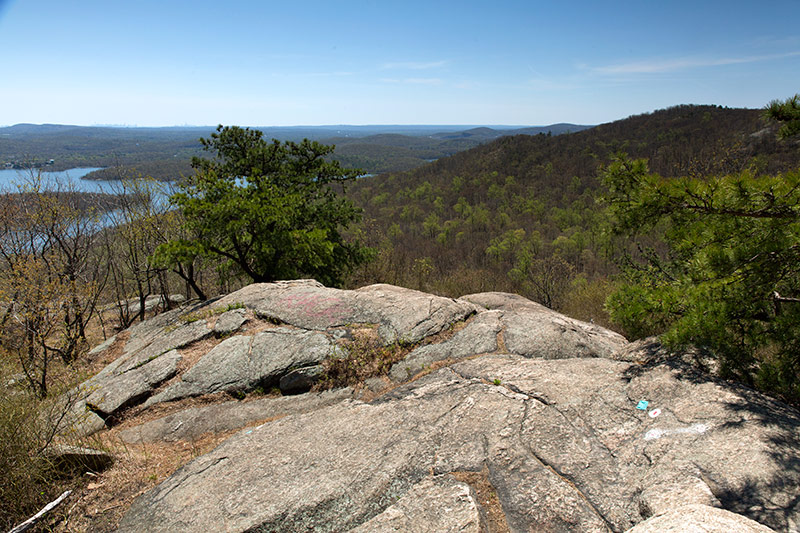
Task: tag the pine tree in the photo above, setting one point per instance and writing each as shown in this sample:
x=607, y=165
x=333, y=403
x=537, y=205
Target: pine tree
x=268, y=210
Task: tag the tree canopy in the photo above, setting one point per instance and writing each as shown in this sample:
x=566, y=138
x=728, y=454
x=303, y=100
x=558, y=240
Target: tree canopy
x=727, y=275
x=786, y=112
x=267, y=209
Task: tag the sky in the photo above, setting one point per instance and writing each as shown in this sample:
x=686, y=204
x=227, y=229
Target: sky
x=268, y=63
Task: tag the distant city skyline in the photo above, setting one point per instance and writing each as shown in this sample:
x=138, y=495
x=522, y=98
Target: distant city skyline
x=513, y=63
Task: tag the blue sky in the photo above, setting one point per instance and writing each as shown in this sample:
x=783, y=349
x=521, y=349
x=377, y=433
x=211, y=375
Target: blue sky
x=265, y=63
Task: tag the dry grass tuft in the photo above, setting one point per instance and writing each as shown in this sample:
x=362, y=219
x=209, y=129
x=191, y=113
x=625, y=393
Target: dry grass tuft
x=139, y=414
x=100, y=500
x=366, y=357
x=487, y=497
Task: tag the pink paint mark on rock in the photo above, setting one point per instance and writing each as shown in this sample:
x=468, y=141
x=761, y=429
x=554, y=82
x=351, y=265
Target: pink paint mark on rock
x=317, y=306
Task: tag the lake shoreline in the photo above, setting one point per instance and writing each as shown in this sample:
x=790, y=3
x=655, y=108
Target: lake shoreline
x=11, y=179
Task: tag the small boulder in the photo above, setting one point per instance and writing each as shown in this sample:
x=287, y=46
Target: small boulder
x=300, y=379
x=230, y=321
x=76, y=459
x=701, y=519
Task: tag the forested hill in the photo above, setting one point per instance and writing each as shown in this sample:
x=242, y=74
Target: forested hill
x=482, y=218
x=165, y=153
x=676, y=141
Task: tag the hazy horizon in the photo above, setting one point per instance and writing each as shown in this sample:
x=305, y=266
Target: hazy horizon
x=329, y=126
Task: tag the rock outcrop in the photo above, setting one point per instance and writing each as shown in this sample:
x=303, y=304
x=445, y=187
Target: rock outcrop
x=699, y=518
x=571, y=427
x=565, y=447
x=533, y=330
x=259, y=337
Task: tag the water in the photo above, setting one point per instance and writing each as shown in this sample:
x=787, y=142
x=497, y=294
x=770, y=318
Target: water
x=71, y=180
x=9, y=178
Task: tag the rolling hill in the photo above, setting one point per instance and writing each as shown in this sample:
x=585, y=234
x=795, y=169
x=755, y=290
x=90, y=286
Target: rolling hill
x=523, y=207
x=165, y=153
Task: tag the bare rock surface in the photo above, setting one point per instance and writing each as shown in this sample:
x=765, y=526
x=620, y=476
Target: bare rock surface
x=565, y=446
x=149, y=359
x=526, y=329
x=164, y=332
x=174, y=336
x=533, y=330
x=571, y=427
x=125, y=387
x=403, y=315
x=230, y=321
x=240, y=363
x=699, y=519
x=313, y=319
x=435, y=504
x=192, y=423
x=479, y=336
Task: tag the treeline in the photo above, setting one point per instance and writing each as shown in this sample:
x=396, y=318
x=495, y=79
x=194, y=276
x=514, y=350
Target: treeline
x=521, y=213
x=159, y=169
x=165, y=153
x=75, y=146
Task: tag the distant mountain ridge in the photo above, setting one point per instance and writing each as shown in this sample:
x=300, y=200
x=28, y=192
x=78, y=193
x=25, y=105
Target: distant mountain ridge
x=485, y=132
x=297, y=132
x=165, y=153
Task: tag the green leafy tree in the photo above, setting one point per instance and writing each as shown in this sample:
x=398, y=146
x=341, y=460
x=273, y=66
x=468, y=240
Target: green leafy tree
x=268, y=209
x=786, y=112
x=728, y=278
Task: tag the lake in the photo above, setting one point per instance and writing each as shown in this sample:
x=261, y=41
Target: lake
x=10, y=177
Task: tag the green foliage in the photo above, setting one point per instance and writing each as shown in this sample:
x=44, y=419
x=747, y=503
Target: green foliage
x=422, y=270
x=267, y=209
x=729, y=277
x=505, y=246
x=585, y=300
x=788, y=113
x=458, y=211
x=208, y=313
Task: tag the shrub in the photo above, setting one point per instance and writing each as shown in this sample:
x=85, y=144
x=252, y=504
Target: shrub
x=28, y=425
x=365, y=356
